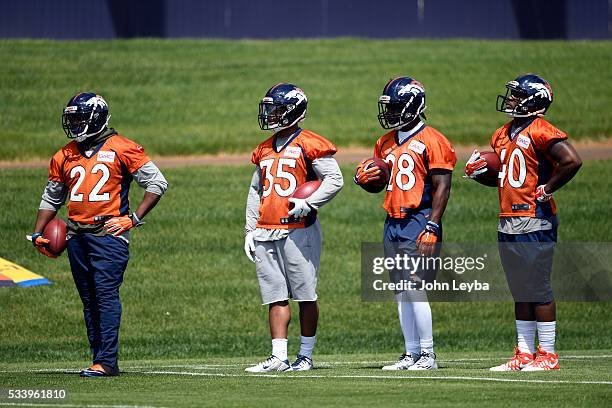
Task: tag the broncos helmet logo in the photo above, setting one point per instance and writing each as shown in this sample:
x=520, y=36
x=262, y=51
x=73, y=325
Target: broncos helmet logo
x=542, y=90
x=412, y=88
x=96, y=101
x=297, y=94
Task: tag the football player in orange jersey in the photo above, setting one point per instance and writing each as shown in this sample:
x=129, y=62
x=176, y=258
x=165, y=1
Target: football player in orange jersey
x=283, y=235
x=421, y=161
x=94, y=172
x=536, y=161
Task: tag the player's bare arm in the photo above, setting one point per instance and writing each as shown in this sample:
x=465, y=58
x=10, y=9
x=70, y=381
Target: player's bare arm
x=568, y=164
x=441, y=182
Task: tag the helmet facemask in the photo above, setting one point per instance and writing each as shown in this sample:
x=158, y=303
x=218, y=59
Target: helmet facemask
x=395, y=115
x=275, y=116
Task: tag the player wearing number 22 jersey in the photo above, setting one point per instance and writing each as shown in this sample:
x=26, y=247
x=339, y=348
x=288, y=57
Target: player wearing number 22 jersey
x=536, y=160
x=283, y=236
x=421, y=161
x=93, y=173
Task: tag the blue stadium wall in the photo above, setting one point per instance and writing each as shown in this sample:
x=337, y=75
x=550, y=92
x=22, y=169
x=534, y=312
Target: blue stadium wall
x=494, y=19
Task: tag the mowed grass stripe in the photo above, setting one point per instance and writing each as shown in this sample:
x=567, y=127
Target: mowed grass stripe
x=180, y=97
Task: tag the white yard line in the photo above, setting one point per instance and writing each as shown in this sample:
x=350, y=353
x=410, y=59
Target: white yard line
x=394, y=377
x=319, y=363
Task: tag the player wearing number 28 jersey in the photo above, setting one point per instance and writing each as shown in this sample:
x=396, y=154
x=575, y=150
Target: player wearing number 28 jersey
x=93, y=173
x=421, y=160
x=283, y=236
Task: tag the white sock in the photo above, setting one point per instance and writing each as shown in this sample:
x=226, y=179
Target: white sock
x=546, y=335
x=525, y=334
x=279, y=348
x=422, y=314
x=409, y=329
x=307, y=345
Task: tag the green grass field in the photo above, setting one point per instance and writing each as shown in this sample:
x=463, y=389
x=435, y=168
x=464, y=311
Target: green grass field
x=194, y=97
x=192, y=318
x=339, y=381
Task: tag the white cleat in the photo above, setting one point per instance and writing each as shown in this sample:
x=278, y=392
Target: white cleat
x=427, y=361
x=302, y=363
x=405, y=361
x=269, y=365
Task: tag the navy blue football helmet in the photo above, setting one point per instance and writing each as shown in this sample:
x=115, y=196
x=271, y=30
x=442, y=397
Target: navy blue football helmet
x=283, y=106
x=86, y=114
x=528, y=95
x=402, y=101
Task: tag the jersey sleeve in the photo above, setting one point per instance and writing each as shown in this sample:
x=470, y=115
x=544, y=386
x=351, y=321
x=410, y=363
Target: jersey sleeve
x=132, y=155
x=55, y=168
x=316, y=146
x=255, y=156
x=378, y=149
x=440, y=153
x=546, y=134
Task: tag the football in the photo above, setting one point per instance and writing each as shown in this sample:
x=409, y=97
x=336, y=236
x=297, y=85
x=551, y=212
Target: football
x=305, y=190
x=490, y=177
x=379, y=184
x=55, y=232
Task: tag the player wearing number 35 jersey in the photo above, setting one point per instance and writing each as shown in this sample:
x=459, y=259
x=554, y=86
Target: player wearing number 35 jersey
x=283, y=236
x=93, y=173
x=536, y=160
x=421, y=160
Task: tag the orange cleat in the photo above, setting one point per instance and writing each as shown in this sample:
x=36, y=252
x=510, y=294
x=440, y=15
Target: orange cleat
x=517, y=362
x=544, y=361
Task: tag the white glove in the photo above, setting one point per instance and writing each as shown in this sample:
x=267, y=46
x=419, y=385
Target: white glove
x=249, y=246
x=301, y=208
x=475, y=165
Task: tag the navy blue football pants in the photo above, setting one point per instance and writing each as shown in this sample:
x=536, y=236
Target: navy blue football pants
x=400, y=236
x=98, y=264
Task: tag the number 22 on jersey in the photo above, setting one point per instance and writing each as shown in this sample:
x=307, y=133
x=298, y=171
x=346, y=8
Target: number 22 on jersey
x=80, y=173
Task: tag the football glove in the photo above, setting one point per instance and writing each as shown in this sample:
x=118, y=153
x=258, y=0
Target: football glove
x=426, y=242
x=366, y=171
x=301, y=208
x=118, y=225
x=541, y=195
x=41, y=244
x=249, y=246
x=475, y=165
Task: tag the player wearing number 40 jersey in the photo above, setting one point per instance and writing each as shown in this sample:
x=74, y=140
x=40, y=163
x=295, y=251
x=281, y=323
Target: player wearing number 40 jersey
x=283, y=236
x=421, y=161
x=536, y=161
x=93, y=172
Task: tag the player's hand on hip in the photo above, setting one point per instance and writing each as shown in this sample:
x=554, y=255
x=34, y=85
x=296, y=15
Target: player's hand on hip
x=118, y=225
x=367, y=171
x=41, y=244
x=541, y=195
x=475, y=165
x=249, y=245
x=428, y=238
x=301, y=208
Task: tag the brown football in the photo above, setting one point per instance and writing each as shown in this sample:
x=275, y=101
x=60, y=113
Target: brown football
x=491, y=176
x=55, y=232
x=378, y=185
x=305, y=190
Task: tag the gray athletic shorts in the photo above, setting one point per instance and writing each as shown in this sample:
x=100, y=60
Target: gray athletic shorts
x=289, y=268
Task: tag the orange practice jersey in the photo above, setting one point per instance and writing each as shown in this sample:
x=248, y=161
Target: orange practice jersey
x=282, y=171
x=98, y=186
x=525, y=165
x=410, y=185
